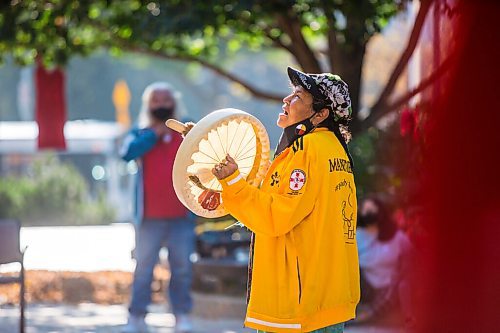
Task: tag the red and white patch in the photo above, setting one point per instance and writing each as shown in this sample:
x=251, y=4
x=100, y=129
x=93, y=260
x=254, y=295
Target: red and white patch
x=297, y=179
x=209, y=200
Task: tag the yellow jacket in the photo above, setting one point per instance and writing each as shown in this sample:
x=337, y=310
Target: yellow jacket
x=305, y=263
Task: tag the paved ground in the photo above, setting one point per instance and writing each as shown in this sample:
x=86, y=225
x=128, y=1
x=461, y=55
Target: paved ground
x=93, y=318
x=76, y=249
x=86, y=318
x=79, y=248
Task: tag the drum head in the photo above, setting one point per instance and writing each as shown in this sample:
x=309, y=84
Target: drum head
x=222, y=132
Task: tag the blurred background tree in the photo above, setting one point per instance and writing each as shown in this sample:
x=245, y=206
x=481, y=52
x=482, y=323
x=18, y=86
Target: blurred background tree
x=320, y=35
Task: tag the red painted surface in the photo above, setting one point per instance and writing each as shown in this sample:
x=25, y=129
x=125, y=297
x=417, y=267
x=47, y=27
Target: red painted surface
x=50, y=108
x=459, y=271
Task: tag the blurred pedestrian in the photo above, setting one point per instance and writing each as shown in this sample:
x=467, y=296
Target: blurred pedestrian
x=384, y=257
x=304, y=264
x=161, y=217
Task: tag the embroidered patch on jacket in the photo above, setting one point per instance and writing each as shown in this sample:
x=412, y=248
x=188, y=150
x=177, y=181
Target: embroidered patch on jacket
x=300, y=129
x=209, y=200
x=275, y=178
x=298, y=144
x=297, y=179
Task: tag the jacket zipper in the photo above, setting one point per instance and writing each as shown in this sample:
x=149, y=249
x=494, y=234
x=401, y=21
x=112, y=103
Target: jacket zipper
x=250, y=267
x=300, y=284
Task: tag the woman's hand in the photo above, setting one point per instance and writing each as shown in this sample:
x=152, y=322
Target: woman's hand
x=226, y=168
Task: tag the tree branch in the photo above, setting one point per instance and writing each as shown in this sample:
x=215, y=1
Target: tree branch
x=277, y=42
x=423, y=85
x=218, y=70
x=403, y=61
x=331, y=35
x=303, y=53
x=332, y=42
x=443, y=68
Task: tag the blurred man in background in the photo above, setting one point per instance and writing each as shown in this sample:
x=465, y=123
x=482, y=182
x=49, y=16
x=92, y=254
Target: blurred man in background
x=161, y=217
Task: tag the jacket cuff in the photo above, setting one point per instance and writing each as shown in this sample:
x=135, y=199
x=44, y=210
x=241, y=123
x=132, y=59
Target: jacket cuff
x=233, y=183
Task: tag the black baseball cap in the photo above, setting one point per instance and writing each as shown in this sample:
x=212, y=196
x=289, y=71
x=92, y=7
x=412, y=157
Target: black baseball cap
x=328, y=89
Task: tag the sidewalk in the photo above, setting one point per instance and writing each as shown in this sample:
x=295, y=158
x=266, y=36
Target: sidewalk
x=93, y=318
x=87, y=318
x=56, y=248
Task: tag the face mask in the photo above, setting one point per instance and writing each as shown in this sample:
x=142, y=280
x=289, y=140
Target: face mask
x=163, y=113
x=367, y=219
x=293, y=132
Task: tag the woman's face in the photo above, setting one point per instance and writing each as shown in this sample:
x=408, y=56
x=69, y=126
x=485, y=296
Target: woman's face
x=296, y=107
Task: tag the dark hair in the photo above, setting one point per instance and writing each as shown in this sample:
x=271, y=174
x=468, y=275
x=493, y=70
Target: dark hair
x=334, y=125
x=330, y=122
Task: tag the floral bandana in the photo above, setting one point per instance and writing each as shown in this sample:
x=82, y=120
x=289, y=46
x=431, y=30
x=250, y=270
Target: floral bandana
x=328, y=88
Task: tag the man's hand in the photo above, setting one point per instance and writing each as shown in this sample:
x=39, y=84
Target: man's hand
x=226, y=168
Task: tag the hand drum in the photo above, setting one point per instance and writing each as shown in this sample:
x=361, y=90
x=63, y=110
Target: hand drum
x=222, y=132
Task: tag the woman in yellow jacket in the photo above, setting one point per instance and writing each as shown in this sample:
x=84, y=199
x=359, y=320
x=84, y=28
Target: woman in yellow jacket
x=304, y=266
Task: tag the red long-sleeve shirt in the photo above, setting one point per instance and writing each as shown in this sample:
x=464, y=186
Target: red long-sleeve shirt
x=160, y=200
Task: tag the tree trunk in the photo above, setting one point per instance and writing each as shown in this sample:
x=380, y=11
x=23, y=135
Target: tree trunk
x=301, y=50
x=348, y=63
x=381, y=106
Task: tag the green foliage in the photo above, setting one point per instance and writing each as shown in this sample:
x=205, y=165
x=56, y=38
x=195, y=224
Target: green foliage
x=49, y=28
x=317, y=33
x=57, y=30
x=53, y=194
x=363, y=151
x=59, y=187
x=13, y=196
x=320, y=35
